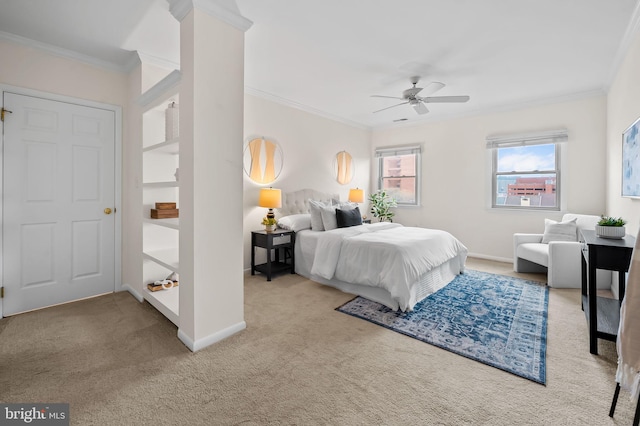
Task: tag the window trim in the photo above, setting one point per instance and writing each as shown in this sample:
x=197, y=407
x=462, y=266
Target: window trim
x=416, y=150
x=555, y=137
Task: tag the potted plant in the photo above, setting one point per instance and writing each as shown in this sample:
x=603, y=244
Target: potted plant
x=269, y=223
x=611, y=227
x=381, y=205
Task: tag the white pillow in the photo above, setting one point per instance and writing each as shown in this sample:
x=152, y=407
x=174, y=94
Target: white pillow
x=345, y=205
x=295, y=222
x=560, y=231
x=329, y=219
x=316, y=217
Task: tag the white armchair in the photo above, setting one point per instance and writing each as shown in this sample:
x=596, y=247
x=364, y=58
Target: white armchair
x=561, y=260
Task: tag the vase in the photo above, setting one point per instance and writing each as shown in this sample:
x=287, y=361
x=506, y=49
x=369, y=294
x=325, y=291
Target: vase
x=270, y=228
x=613, y=232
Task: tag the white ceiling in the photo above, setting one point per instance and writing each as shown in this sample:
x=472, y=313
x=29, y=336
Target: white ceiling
x=329, y=56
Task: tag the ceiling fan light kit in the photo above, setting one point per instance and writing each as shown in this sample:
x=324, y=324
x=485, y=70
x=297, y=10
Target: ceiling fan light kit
x=410, y=96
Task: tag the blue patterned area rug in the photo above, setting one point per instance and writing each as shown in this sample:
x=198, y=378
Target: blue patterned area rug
x=494, y=319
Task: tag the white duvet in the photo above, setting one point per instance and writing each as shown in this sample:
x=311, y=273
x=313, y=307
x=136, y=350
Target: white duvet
x=386, y=255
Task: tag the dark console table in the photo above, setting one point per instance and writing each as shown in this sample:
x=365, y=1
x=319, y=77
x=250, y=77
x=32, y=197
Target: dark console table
x=603, y=314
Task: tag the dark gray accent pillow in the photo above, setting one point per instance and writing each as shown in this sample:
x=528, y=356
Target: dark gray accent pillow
x=348, y=218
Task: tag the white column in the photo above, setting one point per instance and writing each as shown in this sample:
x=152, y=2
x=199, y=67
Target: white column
x=211, y=199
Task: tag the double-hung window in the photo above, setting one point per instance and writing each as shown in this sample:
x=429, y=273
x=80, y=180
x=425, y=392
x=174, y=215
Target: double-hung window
x=399, y=173
x=526, y=170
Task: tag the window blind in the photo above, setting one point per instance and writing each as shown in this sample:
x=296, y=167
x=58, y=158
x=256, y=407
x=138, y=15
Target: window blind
x=525, y=139
x=398, y=150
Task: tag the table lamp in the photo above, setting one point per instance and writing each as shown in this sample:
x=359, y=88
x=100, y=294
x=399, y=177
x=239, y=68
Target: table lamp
x=271, y=199
x=356, y=195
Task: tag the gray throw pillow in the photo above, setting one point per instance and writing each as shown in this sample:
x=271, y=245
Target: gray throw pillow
x=560, y=231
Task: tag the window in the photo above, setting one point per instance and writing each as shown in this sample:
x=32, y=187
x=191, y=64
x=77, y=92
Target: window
x=526, y=170
x=399, y=173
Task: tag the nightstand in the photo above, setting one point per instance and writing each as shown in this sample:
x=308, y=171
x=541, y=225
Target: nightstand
x=276, y=240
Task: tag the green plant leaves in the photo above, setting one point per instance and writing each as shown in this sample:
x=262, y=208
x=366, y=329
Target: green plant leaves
x=381, y=205
x=611, y=221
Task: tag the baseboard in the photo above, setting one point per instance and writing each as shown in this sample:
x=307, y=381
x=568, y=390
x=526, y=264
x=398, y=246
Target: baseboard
x=195, y=346
x=135, y=293
x=486, y=257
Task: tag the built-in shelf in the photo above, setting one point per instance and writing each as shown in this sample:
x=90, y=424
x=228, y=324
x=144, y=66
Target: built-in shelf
x=173, y=223
x=165, y=301
x=171, y=146
x=160, y=184
x=159, y=161
x=166, y=257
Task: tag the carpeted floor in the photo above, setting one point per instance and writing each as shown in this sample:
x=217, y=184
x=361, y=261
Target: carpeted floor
x=299, y=361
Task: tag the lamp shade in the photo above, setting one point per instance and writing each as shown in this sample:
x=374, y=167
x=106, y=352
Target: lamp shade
x=356, y=195
x=270, y=198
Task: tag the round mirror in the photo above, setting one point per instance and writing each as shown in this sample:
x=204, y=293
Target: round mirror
x=262, y=160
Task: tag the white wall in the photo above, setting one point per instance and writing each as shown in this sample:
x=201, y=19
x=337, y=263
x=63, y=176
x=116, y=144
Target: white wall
x=623, y=108
x=456, y=170
x=34, y=69
x=309, y=144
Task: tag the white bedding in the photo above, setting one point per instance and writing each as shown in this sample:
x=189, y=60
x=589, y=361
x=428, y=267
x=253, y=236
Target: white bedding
x=384, y=255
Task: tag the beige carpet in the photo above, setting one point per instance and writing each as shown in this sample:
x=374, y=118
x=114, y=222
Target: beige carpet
x=119, y=362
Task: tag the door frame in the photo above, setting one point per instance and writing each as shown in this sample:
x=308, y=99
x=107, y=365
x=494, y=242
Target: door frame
x=117, y=110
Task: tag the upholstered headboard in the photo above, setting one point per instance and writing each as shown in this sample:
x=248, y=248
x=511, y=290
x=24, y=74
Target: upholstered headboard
x=298, y=202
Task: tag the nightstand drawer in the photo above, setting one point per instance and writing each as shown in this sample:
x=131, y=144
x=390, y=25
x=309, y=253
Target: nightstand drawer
x=281, y=239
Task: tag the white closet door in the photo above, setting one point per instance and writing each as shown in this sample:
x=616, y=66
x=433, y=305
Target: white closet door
x=58, y=173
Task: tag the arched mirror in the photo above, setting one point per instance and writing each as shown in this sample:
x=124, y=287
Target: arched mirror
x=262, y=160
x=343, y=167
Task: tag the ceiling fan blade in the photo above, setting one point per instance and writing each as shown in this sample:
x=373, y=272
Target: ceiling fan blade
x=388, y=97
x=434, y=99
x=433, y=87
x=421, y=108
x=392, y=106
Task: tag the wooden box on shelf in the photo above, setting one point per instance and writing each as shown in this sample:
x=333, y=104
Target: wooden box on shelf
x=164, y=211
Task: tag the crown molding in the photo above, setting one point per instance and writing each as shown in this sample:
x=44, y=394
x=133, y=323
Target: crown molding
x=633, y=29
x=64, y=53
x=292, y=104
x=225, y=10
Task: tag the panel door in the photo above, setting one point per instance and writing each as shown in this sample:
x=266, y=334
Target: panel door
x=58, y=174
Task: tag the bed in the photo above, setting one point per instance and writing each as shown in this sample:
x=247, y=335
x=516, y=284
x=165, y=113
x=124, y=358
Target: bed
x=385, y=262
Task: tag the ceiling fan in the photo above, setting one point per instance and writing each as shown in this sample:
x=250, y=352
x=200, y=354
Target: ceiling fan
x=410, y=96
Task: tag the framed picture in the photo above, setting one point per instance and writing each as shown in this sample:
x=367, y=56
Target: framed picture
x=631, y=161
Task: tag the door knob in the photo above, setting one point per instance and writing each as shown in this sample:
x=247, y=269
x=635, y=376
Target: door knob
x=107, y=211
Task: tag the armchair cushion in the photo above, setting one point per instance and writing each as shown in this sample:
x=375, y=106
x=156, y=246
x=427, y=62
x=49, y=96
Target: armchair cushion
x=534, y=252
x=560, y=231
